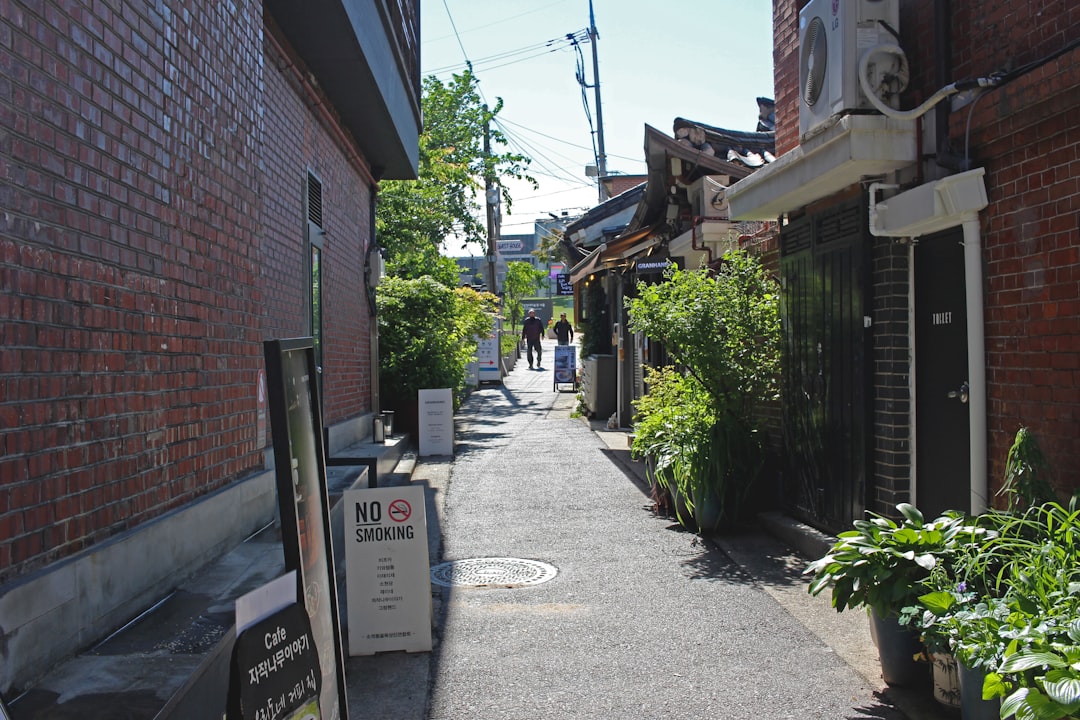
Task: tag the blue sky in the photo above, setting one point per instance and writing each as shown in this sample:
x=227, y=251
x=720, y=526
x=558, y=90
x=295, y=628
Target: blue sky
x=704, y=60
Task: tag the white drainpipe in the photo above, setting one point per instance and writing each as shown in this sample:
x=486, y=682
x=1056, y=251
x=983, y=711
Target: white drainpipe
x=951, y=201
x=976, y=341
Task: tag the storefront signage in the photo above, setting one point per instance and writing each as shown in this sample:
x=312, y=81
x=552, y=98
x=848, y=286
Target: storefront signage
x=303, y=505
x=507, y=246
x=275, y=670
x=565, y=287
x=656, y=266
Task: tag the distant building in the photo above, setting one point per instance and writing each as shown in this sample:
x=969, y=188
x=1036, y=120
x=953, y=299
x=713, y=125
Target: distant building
x=515, y=248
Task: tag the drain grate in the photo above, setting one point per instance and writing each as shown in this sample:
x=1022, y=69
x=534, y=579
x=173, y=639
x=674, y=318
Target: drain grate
x=496, y=572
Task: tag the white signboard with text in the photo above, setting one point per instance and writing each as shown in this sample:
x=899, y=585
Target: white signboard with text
x=387, y=571
x=436, y=421
x=487, y=354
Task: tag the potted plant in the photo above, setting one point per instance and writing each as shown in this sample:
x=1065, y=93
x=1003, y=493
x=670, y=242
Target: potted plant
x=721, y=328
x=1039, y=584
x=670, y=422
x=881, y=565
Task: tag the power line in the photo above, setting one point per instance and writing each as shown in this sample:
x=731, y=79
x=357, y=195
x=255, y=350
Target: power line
x=457, y=35
x=511, y=57
x=505, y=19
x=536, y=154
x=565, y=142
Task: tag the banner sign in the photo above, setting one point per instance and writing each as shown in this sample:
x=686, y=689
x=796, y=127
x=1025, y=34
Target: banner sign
x=387, y=571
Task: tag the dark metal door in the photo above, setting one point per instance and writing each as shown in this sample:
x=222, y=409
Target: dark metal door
x=942, y=439
x=826, y=419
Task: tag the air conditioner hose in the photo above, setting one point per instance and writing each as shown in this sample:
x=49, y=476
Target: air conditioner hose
x=950, y=89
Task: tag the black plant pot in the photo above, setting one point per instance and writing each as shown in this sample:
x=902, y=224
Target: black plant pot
x=898, y=647
x=972, y=705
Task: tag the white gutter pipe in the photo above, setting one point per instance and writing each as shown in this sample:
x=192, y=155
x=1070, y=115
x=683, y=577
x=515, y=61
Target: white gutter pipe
x=976, y=342
x=932, y=207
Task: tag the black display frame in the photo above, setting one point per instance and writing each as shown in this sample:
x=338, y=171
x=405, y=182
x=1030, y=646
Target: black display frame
x=303, y=500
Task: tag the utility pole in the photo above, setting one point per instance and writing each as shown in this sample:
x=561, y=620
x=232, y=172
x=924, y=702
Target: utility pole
x=601, y=157
x=491, y=196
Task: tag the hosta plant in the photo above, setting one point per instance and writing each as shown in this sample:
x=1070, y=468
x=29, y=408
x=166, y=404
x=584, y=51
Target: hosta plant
x=881, y=563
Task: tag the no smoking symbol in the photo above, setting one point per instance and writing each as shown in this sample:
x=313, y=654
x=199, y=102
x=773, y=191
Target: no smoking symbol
x=399, y=511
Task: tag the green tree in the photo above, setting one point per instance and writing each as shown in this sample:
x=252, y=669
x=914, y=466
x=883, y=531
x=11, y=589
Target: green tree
x=522, y=281
x=427, y=335
x=723, y=327
x=415, y=216
x=548, y=250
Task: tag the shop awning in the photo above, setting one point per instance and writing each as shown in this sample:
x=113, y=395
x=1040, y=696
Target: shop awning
x=587, y=265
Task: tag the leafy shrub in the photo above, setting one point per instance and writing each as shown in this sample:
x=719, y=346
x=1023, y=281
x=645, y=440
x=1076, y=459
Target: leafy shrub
x=427, y=336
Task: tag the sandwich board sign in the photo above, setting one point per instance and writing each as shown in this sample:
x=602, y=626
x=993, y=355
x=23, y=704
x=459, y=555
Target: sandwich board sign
x=436, y=411
x=303, y=504
x=387, y=571
x=274, y=672
x=565, y=366
x=487, y=357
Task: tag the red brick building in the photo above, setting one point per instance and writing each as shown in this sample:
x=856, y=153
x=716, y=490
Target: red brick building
x=177, y=184
x=930, y=253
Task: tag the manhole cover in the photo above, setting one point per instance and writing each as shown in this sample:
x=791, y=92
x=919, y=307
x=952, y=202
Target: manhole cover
x=492, y=572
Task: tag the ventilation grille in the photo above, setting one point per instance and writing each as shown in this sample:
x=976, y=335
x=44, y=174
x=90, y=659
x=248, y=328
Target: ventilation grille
x=314, y=201
x=844, y=223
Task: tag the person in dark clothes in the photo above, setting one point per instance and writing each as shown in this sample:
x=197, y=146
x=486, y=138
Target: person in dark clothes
x=564, y=331
x=531, y=332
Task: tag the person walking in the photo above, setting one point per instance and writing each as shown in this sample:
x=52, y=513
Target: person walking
x=564, y=331
x=532, y=329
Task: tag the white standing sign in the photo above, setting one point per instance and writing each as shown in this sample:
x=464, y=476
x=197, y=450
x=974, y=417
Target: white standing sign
x=487, y=354
x=387, y=571
x=436, y=420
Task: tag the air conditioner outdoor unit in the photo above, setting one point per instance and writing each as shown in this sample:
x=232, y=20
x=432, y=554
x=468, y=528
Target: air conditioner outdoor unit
x=833, y=35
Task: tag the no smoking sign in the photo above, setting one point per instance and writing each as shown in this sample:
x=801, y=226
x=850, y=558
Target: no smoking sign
x=387, y=572
x=399, y=510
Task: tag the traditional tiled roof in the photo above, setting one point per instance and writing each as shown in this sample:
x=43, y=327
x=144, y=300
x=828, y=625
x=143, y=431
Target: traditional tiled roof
x=751, y=149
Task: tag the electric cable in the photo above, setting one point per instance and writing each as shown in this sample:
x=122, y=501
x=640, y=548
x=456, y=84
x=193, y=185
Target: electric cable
x=564, y=142
x=539, y=157
x=511, y=57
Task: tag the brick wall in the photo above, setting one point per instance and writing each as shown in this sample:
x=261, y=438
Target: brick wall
x=891, y=411
x=786, y=72
x=1026, y=137
x=152, y=171
x=298, y=142
x=129, y=279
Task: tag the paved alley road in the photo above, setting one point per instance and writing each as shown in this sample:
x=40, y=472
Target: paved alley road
x=642, y=619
